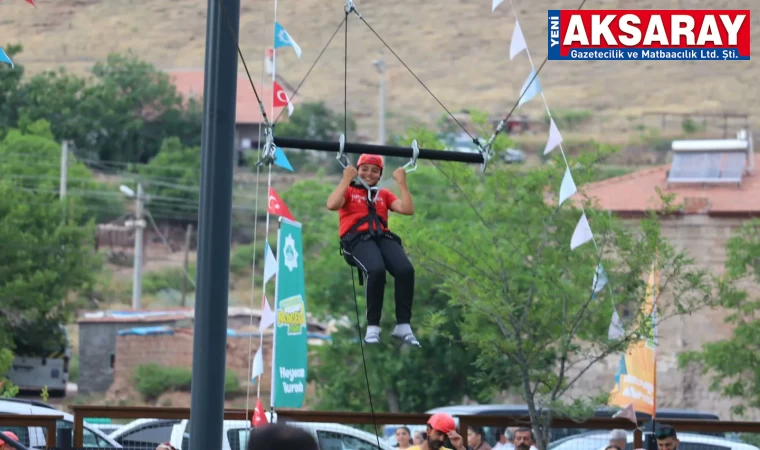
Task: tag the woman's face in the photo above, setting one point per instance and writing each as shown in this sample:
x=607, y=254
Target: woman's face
x=370, y=173
x=418, y=438
x=402, y=437
x=473, y=438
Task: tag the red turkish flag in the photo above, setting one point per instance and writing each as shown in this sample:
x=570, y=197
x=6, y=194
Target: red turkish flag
x=31, y=2
x=277, y=206
x=281, y=98
x=259, y=415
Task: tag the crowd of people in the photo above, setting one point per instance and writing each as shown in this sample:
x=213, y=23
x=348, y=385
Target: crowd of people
x=440, y=434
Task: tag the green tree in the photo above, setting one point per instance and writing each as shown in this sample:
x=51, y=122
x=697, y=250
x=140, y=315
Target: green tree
x=502, y=256
x=734, y=364
x=173, y=179
x=45, y=262
x=405, y=380
x=144, y=109
x=122, y=113
x=31, y=160
x=10, y=78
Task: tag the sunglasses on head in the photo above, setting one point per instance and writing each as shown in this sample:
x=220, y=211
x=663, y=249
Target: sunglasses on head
x=665, y=432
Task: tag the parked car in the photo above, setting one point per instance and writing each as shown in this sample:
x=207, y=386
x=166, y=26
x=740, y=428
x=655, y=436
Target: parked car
x=330, y=436
x=143, y=434
x=35, y=437
x=688, y=441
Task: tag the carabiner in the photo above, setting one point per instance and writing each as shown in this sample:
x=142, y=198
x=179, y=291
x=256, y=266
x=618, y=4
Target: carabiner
x=342, y=158
x=372, y=193
x=413, y=161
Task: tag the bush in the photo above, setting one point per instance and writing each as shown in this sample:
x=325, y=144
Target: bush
x=152, y=380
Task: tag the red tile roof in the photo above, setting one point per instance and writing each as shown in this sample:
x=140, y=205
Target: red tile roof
x=635, y=193
x=189, y=83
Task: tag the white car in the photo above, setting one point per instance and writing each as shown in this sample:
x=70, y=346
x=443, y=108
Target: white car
x=35, y=437
x=143, y=434
x=330, y=436
x=688, y=441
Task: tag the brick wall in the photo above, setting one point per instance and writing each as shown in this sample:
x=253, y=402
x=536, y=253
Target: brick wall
x=177, y=350
x=704, y=239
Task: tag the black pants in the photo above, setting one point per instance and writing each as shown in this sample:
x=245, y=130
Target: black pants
x=374, y=257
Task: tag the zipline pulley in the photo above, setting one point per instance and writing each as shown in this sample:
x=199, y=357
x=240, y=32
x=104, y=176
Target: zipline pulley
x=268, y=153
x=349, y=8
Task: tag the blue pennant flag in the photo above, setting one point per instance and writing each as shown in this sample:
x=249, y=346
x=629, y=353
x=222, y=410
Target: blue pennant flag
x=530, y=91
x=281, y=160
x=282, y=39
x=5, y=58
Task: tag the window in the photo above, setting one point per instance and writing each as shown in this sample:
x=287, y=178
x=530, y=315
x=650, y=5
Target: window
x=330, y=440
x=91, y=440
x=148, y=435
x=21, y=432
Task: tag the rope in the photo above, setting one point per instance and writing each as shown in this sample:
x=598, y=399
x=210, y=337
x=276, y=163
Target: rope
x=242, y=59
x=253, y=278
x=310, y=69
x=364, y=360
x=420, y=81
x=353, y=281
x=500, y=126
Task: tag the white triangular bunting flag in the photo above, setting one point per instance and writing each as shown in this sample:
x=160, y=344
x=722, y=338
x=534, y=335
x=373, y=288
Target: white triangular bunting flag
x=616, y=328
x=267, y=316
x=568, y=188
x=496, y=4
x=555, y=138
x=600, y=279
x=270, y=264
x=582, y=233
x=518, y=41
x=258, y=365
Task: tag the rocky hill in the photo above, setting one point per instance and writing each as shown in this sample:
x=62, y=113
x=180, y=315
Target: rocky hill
x=459, y=48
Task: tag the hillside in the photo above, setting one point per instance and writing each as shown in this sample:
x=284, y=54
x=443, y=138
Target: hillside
x=459, y=48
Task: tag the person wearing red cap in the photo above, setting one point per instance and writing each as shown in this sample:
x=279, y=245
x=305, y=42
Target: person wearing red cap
x=439, y=427
x=368, y=244
x=10, y=434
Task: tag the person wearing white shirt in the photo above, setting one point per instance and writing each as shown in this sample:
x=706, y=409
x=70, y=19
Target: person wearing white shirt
x=504, y=440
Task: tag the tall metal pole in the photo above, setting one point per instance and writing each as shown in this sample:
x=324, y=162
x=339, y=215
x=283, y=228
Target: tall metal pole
x=138, y=257
x=214, y=225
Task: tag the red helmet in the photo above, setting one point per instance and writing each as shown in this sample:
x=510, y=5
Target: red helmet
x=442, y=422
x=370, y=159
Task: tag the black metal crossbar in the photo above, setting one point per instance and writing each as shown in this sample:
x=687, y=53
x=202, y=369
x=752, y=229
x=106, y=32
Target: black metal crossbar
x=383, y=150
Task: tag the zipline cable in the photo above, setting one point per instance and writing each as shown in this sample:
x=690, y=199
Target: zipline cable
x=292, y=96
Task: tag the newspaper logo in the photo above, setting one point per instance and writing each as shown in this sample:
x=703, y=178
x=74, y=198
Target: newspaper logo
x=649, y=35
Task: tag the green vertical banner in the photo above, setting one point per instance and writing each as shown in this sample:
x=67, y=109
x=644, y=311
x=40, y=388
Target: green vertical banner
x=290, y=333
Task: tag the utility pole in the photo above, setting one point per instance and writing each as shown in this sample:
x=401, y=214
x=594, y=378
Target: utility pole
x=64, y=167
x=214, y=225
x=188, y=234
x=139, y=224
x=380, y=66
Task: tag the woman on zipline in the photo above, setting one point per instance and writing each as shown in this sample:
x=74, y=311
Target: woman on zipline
x=367, y=243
